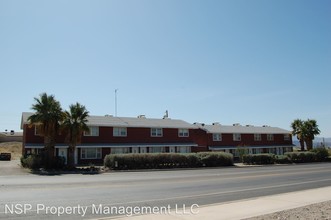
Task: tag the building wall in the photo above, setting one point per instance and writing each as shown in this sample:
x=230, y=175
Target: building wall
x=248, y=139
x=138, y=135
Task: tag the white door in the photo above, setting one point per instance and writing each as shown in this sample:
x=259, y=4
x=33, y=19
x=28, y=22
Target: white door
x=63, y=153
x=143, y=150
x=135, y=150
x=172, y=149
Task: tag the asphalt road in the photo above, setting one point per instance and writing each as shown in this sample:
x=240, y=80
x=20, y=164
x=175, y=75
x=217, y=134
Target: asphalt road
x=118, y=193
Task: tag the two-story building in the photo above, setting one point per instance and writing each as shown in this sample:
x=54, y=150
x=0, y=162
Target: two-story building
x=254, y=139
x=116, y=135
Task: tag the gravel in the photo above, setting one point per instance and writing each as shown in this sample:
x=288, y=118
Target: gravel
x=318, y=211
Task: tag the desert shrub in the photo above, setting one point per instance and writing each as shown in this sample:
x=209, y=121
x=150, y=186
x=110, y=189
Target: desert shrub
x=259, y=159
x=167, y=160
x=31, y=161
x=321, y=154
x=301, y=157
x=215, y=159
x=282, y=159
x=38, y=161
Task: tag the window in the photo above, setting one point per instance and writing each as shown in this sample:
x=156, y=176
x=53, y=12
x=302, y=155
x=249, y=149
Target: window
x=37, y=130
x=120, y=150
x=287, y=137
x=119, y=132
x=157, y=149
x=257, y=137
x=94, y=131
x=270, y=137
x=156, y=132
x=183, y=133
x=236, y=137
x=91, y=153
x=217, y=137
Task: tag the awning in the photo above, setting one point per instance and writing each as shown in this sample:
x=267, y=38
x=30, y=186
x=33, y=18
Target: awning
x=246, y=147
x=41, y=146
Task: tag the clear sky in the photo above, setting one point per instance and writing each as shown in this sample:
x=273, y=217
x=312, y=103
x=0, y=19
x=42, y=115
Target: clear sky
x=257, y=62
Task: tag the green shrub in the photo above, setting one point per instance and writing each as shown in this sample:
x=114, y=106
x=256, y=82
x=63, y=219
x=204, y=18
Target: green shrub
x=167, y=160
x=215, y=159
x=259, y=159
x=38, y=161
x=321, y=154
x=282, y=159
x=31, y=162
x=301, y=157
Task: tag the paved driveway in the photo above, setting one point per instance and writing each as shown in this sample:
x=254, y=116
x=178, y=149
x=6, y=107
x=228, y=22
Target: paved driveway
x=12, y=167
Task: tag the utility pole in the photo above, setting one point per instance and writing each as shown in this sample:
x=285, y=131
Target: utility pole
x=116, y=102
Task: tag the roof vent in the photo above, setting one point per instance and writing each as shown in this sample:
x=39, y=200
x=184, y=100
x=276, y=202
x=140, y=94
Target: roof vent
x=197, y=123
x=141, y=116
x=236, y=124
x=216, y=123
x=249, y=125
x=108, y=115
x=265, y=126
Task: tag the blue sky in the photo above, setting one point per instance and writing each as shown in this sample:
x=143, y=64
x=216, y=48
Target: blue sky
x=237, y=61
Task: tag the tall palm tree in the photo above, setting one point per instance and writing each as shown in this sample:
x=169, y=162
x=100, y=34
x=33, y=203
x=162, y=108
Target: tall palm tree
x=310, y=129
x=74, y=125
x=48, y=115
x=297, y=130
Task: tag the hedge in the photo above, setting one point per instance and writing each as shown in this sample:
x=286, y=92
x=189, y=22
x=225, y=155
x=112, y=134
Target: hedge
x=259, y=159
x=315, y=155
x=167, y=160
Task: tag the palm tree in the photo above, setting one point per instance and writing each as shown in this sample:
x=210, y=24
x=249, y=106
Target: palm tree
x=310, y=129
x=74, y=125
x=297, y=130
x=48, y=115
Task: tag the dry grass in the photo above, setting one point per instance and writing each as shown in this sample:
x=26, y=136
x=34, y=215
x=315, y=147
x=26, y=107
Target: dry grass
x=15, y=148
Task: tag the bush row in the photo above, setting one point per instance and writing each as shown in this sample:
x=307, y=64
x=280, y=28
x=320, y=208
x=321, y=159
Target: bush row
x=167, y=160
x=258, y=159
x=315, y=155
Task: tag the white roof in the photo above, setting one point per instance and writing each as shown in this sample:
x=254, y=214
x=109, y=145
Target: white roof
x=142, y=122
x=224, y=129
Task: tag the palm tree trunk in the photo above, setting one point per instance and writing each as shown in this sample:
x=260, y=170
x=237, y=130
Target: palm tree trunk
x=309, y=143
x=71, y=157
x=302, y=144
x=49, y=143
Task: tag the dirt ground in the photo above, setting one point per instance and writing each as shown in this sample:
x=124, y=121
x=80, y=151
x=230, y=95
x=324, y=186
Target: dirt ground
x=15, y=148
x=12, y=167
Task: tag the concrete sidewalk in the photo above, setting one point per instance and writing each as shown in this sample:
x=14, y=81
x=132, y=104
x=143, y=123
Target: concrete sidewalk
x=243, y=208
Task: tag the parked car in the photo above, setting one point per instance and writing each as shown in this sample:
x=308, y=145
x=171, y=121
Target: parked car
x=5, y=156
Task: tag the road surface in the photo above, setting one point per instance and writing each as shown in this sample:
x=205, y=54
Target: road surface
x=123, y=193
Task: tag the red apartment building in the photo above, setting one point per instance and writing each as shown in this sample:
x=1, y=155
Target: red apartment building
x=115, y=135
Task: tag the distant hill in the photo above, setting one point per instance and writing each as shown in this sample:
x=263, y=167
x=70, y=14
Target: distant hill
x=317, y=142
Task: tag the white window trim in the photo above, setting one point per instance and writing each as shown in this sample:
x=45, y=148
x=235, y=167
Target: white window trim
x=217, y=137
x=35, y=130
x=90, y=132
x=88, y=158
x=257, y=137
x=156, y=133
x=236, y=135
x=119, y=134
x=183, y=132
x=270, y=137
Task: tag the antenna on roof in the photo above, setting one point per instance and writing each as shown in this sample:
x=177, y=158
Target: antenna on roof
x=116, y=102
x=166, y=115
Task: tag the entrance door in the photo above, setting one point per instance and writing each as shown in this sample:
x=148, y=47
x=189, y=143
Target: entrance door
x=143, y=150
x=63, y=153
